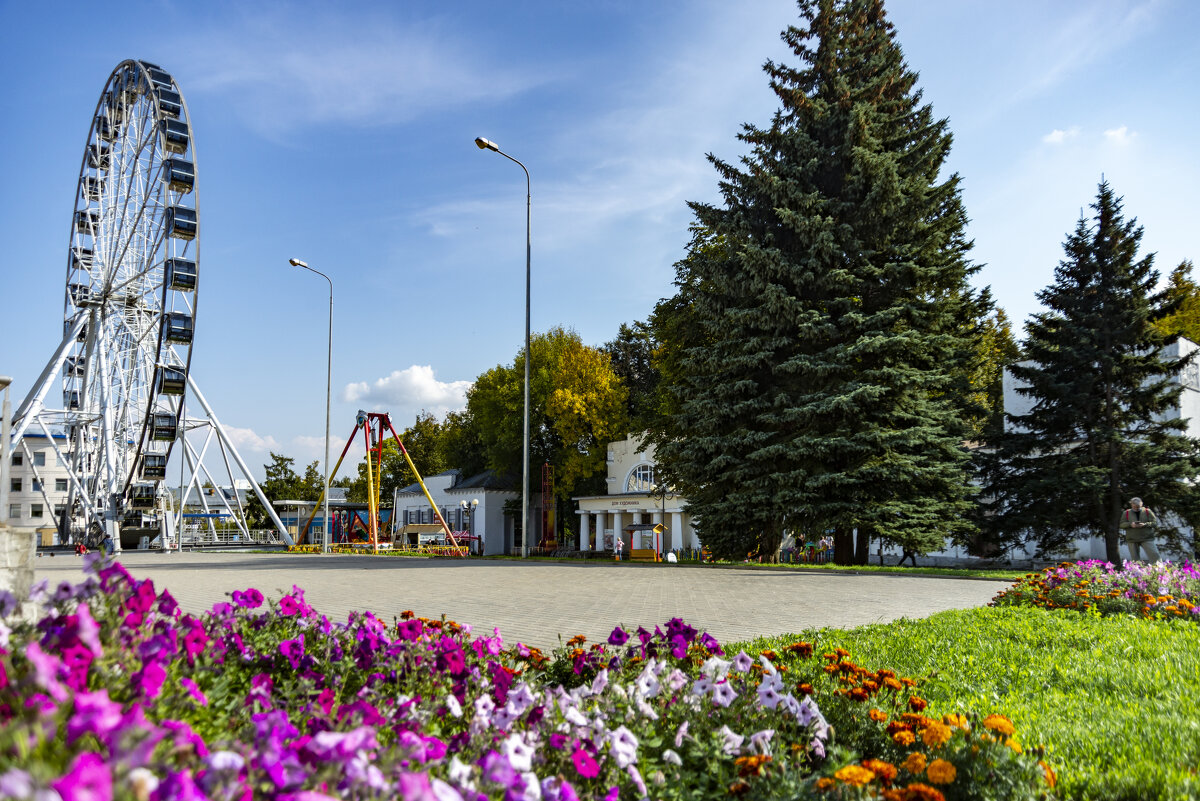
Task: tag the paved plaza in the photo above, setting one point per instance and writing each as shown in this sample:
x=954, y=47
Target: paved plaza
x=534, y=602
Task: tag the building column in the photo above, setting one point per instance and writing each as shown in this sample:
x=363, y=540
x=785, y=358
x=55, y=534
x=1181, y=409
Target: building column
x=618, y=522
x=601, y=519
x=678, y=536
x=585, y=519
x=657, y=519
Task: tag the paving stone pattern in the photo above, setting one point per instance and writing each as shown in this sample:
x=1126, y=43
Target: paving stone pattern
x=534, y=602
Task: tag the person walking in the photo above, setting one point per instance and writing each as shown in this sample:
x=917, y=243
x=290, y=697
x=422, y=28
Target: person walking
x=1139, y=522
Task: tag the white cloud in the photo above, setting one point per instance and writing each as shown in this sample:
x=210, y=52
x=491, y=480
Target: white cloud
x=1120, y=136
x=246, y=440
x=1058, y=136
x=280, y=69
x=414, y=388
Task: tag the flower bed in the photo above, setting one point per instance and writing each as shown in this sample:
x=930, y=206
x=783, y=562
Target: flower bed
x=1160, y=590
x=117, y=693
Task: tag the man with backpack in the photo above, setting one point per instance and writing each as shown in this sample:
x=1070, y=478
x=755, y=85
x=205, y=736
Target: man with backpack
x=1138, y=523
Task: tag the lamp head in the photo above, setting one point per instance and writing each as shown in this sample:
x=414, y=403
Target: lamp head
x=486, y=144
x=5, y=381
x=474, y=502
x=297, y=263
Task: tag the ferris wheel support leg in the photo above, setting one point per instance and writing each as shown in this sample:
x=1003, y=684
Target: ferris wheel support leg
x=237, y=457
x=37, y=394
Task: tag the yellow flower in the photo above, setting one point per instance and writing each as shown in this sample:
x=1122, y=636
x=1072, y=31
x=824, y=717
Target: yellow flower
x=957, y=721
x=826, y=783
x=936, y=734
x=904, y=738
x=878, y=715
x=941, y=772
x=915, y=763
x=1013, y=744
x=886, y=771
x=1000, y=725
x=855, y=775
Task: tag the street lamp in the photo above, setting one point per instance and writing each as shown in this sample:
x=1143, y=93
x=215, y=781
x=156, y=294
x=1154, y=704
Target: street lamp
x=487, y=144
x=328, y=380
x=469, y=511
x=5, y=458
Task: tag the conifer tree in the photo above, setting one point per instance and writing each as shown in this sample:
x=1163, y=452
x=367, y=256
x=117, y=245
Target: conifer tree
x=823, y=317
x=1184, y=295
x=1101, y=427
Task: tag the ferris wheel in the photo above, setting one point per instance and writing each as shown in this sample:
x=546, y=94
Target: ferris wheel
x=129, y=315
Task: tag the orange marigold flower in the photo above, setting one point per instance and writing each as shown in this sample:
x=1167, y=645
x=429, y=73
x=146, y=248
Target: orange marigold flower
x=739, y=788
x=878, y=715
x=859, y=694
x=1000, y=725
x=751, y=765
x=941, y=772
x=832, y=657
x=896, y=726
x=1051, y=776
x=957, y=721
x=936, y=734
x=922, y=792
x=908, y=682
x=892, y=684
x=806, y=688
x=770, y=655
x=841, y=652
x=916, y=703
x=886, y=771
x=407, y=614
x=1014, y=745
x=855, y=775
x=915, y=763
x=578, y=639
x=905, y=738
x=802, y=649
x=826, y=783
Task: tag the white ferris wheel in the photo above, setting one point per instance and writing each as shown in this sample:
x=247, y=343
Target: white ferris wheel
x=129, y=321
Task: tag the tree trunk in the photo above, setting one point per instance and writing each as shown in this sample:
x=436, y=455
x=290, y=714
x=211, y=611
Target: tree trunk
x=862, y=546
x=771, y=541
x=843, y=547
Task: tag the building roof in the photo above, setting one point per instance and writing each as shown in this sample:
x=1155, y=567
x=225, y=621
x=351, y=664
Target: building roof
x=415, y=489
x=488, y=480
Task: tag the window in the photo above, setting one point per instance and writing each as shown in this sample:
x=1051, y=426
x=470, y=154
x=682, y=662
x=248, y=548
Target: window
x=39, y=459
x=58, y=510
x=35, y=485
x=14, y=510
x=18, y=459
x=35, y=510
x=15, y=486
x=60, y=485
x=641, y=479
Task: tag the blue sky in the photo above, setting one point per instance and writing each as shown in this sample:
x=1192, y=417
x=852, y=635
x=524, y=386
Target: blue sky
x=343, y=133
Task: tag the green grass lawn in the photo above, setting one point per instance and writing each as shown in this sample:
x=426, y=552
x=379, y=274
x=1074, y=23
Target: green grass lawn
x=1116, y=701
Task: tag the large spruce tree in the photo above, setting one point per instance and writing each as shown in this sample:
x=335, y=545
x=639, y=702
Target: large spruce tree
x=823, y=320
x=1102, y=424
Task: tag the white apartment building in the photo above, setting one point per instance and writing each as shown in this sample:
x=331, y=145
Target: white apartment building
x=38, y=485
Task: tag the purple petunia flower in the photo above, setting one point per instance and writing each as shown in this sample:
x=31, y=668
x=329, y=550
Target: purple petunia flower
x=293, y=651
x=89, y=779
x=194, y=691
x=585, y=765
x=248, y=599
x=94, y=714
x=618, y=637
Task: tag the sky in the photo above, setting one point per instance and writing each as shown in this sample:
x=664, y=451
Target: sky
x=342, y=134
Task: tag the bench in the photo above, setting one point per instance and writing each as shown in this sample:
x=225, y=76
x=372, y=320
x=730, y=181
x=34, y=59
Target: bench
x=643, y=555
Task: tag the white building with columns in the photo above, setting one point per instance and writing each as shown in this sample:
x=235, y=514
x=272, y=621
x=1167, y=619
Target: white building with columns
x=631, y=501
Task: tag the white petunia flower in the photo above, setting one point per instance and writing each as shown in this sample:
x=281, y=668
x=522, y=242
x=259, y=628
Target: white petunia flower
x=671, y=758
x=732, y=740
x=519, y=753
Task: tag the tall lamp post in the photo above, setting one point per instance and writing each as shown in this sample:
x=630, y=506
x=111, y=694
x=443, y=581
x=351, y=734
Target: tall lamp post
x=328, y=380
x=5, y=458
x=486, y=144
